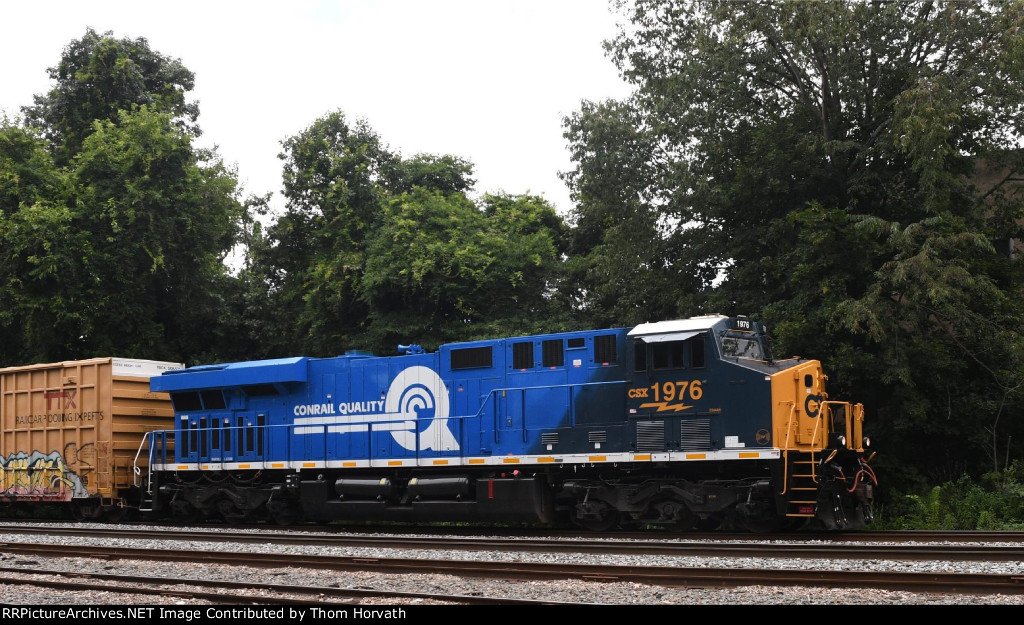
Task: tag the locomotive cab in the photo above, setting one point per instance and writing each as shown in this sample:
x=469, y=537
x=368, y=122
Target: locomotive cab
x=709, y=397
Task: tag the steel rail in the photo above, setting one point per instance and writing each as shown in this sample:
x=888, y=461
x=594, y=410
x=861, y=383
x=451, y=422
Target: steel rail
x=948, y=583
x=667, y=548
x=239, y=592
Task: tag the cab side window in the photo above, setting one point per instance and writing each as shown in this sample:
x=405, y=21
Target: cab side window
x=639, y=355
x=686, y=354
x=668, y=355
x=697, y=352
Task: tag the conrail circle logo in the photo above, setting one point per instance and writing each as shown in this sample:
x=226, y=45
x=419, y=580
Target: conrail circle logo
x=413, y=391
x=763, y=437
x=415, y=397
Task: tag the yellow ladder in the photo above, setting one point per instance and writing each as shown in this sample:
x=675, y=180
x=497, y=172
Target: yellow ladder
x=801, y=484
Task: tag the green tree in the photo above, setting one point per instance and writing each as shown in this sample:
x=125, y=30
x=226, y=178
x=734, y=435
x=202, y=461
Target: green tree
x=624, y=265
x=161, y=217
x=444, y=173
x=530, y=244
x=97, y=77
x=39, y=250
x=336, y=180
x=440, y=268
x=824, y=158
x=27, y=171
x=114, y=226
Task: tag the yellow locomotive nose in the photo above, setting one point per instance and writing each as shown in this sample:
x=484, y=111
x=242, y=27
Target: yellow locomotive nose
x=803, y=416
x=798, y=401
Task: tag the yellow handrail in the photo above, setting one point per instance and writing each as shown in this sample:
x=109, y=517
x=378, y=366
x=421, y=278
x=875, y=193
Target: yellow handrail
x=785, y=450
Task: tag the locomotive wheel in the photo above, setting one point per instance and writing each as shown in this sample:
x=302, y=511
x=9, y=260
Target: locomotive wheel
x=229, y=511
x=183, y=511
x=283, y=512
x=673, y=514
x=599, y=517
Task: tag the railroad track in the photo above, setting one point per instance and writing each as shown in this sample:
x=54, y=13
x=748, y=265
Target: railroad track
x=898, y=536
x=673, y=577
x=431, y=531
x=666, y=548
x=740, y=547
x=222, y=592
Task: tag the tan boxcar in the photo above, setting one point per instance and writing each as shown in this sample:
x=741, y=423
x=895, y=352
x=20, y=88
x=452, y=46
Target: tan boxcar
x=70, y=432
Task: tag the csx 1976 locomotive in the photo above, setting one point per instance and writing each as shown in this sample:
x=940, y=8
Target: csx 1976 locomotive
x=681, y=424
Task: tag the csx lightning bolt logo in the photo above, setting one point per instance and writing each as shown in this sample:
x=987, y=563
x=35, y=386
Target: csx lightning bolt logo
x=664, y=406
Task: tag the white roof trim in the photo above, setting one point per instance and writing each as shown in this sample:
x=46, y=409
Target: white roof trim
x=694, y=324
x=668, y=336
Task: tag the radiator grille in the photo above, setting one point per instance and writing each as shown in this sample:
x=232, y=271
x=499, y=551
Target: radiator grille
x=695, y=434
x=650, y=435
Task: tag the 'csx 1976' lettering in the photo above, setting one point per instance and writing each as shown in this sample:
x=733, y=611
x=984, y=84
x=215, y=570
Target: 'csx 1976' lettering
x=669, y=391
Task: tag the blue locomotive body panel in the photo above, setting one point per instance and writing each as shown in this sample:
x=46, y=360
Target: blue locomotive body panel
x=463, y=400
x=565, y=394
x=669, y=423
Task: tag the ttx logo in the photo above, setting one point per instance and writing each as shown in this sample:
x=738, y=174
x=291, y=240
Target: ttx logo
x=63, y=399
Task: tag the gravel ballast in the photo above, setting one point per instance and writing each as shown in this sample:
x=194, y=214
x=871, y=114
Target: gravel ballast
x=607, y=593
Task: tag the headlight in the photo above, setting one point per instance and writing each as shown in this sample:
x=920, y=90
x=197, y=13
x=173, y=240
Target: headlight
x=867, y=442
x=840, y=440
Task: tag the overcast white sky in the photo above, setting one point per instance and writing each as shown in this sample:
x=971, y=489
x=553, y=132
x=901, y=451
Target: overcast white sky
x=485, y=80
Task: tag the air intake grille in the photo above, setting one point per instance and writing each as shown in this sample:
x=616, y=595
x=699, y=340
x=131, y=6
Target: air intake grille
x=650, y=435
x=695, y=434
x=549, y=438
x=597, y=437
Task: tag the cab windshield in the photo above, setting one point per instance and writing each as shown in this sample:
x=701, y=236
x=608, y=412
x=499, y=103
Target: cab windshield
x=742, y=345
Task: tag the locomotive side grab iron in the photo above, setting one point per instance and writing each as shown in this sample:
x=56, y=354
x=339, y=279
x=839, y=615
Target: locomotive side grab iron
x=685, y=423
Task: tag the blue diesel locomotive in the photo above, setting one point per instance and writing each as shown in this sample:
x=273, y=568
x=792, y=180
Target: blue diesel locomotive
x=681, y=424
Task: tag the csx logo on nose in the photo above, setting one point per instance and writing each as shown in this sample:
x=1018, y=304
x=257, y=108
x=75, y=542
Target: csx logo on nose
x=636, y=393
x=812, y=405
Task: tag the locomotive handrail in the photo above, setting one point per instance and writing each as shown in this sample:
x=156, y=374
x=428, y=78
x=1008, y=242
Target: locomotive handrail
x=786, y=449
x=848, y=415
x=150, y=456
x=493, y=393
x=136, y=471
x=546, y=387
x=157, y=439
x=817, y=426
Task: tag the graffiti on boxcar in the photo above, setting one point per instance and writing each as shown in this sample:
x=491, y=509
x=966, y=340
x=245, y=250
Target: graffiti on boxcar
x=39, y=476
x=80, y=458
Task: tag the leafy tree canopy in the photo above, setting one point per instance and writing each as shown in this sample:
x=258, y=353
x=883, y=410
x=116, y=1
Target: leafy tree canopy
x=440, y=268
x=98, y=76
x=841, y=169
x=113, y=225
x=447, y=174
